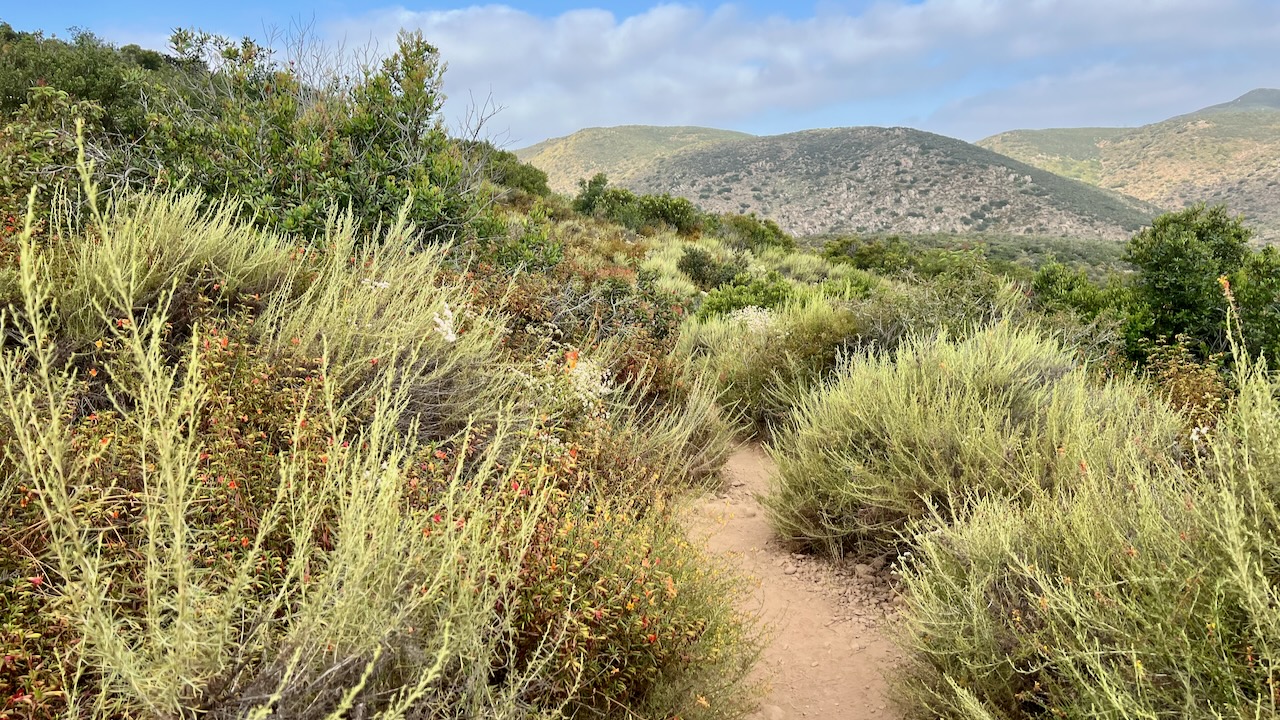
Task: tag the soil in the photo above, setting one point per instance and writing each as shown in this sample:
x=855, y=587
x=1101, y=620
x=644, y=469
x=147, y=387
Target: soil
x=829, y=649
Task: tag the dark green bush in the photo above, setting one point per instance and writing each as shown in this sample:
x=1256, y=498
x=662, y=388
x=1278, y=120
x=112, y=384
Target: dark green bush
x=641, y=213
x=1188, y=263
x=705, y=270
x=256, y=130
x=748, y=232
x=746, y=291
x=675, y=212
x=1057, y=287
x=887, y=256
x=85, y=67
x=504, y=168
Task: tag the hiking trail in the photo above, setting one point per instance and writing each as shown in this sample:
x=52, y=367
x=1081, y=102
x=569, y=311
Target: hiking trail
x=828, y=650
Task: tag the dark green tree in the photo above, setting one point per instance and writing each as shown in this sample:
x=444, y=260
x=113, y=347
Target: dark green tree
x=590, y=193
x=1256, y=288
x=1180, y=259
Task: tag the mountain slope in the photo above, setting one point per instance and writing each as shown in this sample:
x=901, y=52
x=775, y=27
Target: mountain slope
x=1227, y=153
x=1071, y=152
x=874, y=179
x=619, y=152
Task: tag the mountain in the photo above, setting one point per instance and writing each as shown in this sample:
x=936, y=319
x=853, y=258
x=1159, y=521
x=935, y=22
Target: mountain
x=1227, y=153
x=1072, y=152
x=872, y=179
x=1260, y=99
x=618, y=152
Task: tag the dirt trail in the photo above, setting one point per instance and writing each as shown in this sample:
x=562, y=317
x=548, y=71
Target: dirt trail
x=828, y=653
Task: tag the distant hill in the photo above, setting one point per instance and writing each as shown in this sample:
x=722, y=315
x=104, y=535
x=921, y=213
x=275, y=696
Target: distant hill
x=1072, y=152
x=618, y=152
x=1227, y=153
x=1260, y=99
x=871, y=180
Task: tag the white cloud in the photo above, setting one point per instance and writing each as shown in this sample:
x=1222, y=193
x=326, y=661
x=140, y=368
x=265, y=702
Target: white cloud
x=980, y=65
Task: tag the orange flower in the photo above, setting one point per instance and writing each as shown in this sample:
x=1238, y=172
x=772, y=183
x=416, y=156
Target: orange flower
x=570, y=360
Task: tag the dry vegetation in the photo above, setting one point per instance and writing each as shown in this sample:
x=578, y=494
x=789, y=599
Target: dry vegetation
x=416, y=453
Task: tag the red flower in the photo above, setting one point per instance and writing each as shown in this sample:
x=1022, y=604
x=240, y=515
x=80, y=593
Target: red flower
x=37, y=581
x=652, y=638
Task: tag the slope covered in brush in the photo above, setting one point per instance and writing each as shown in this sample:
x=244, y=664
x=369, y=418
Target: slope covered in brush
x=872, y=179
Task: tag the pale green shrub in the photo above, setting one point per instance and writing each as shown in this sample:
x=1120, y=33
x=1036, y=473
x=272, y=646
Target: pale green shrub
x=382, y=615
x=761, y=359
x=255, y=504
x=939, y=424
x=1143, y=591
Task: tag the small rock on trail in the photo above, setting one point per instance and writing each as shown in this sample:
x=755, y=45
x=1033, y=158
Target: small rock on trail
x=828, y=653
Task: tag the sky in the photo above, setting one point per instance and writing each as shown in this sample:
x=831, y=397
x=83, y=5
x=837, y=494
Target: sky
x=964, y=68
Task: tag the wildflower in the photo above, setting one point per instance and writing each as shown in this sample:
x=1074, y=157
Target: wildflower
x=444, y=324
x=755, y=320
x=37, y=581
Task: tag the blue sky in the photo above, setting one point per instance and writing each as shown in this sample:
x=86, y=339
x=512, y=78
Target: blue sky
x=966, y=68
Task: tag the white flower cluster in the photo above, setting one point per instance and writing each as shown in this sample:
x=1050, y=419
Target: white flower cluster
x=375, y=284
x=591, y=382
x=755, y=320
x=1200, y=434
x=444, y=324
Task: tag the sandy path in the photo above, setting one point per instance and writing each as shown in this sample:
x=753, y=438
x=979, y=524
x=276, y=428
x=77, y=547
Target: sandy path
x=828, y=651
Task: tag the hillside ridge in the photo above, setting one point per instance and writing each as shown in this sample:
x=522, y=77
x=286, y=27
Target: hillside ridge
x=872, y=179
x=1226, y=153
x=618, y=151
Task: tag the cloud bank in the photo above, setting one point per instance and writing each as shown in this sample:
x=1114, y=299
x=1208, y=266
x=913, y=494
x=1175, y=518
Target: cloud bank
x=966, y=68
